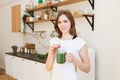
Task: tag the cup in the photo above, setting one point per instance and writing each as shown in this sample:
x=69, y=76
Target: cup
x=61, y=56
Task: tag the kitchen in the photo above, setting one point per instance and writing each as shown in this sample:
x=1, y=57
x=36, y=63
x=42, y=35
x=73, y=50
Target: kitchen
x=106, y=33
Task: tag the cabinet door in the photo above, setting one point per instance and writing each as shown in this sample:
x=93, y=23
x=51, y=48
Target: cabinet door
x=9, y=65
x=45, y=75
x=35, y=71
x=23, y=69
x=19, y=68
x=31, y=71
x=16, y=18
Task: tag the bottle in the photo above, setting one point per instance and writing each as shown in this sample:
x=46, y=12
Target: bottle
x=45, y=16
x=26, y=50
x=31, y=4
x=40, y=1
x=44, y=2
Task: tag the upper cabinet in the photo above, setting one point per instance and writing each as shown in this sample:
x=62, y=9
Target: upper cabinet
x=54, y=7
x=16, y=18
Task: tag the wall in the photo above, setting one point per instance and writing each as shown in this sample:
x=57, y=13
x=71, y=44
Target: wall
x=107, y=39
x=104, y=39
x=6, y=37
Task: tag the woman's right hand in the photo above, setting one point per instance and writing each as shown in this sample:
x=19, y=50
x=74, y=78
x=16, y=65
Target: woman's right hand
x=54, y=48
x=50, y=59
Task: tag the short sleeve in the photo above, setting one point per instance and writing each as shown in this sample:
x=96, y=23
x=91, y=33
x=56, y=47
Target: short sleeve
x=81, y=43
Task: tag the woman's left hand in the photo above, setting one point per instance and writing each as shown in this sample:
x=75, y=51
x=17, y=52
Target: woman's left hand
x=70, y=57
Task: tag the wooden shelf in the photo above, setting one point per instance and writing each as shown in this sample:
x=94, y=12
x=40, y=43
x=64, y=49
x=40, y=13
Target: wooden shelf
x=82, y=15
x=89, y=15
x=35, y=21
x=55, y=5
x=75, y=16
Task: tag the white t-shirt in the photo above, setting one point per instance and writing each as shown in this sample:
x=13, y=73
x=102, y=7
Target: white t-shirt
x=66, y=71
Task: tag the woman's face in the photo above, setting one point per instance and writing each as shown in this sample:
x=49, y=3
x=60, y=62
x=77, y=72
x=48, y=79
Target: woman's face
x=64, y=24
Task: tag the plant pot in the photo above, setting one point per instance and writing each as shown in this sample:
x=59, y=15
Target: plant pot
x=14, y=50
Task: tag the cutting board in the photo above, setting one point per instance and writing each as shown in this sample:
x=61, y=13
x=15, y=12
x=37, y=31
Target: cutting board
x=30, y=46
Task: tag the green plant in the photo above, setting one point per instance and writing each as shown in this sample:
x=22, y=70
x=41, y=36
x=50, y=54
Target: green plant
x=14, y=46
x=24, y=19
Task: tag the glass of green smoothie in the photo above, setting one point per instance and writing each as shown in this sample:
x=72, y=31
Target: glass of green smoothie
x=61, y=56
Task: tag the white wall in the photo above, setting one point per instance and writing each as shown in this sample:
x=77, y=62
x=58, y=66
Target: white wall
x=104, y=39
x=6, y=37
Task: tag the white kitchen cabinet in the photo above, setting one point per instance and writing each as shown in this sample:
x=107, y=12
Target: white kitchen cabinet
x=35, y=71
x=19, y=68
x=45, y=75
x=14, y=67
x=24, y=69
x=31, y=70
x=9, y=64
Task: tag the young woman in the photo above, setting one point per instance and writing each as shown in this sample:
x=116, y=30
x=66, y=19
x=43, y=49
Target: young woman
x=75, y=47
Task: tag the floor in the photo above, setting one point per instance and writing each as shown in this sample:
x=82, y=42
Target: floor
x=2, y=72
x=3, y=76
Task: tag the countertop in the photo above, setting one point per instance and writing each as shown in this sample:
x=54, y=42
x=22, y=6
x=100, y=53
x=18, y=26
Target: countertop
x=32, y=57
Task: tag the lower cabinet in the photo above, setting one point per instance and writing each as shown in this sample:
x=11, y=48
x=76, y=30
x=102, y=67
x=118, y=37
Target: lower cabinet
x=23, y=69
x=18, y=68
x=9, y=65
x=36, y=71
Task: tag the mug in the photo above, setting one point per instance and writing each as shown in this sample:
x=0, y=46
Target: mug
x=61, y=57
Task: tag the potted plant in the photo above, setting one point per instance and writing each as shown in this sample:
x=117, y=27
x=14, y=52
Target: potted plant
x=24, y=22
x=14, y=47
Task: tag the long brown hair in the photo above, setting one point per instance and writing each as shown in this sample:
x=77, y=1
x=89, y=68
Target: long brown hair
x=71, y=19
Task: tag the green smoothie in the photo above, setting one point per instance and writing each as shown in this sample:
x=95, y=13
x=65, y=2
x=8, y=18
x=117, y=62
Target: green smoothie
x=60, y=58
